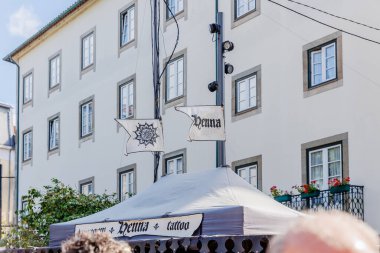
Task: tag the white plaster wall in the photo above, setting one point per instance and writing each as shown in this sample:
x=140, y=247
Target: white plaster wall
x=274, y=39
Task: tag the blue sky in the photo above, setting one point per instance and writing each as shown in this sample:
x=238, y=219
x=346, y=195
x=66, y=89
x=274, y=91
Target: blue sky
x=18, y=21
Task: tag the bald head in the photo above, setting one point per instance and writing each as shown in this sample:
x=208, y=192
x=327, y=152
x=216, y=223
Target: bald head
x=327, y=232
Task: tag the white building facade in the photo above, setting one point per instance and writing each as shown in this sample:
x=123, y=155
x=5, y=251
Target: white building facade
x=301, y=105
x=7, y=168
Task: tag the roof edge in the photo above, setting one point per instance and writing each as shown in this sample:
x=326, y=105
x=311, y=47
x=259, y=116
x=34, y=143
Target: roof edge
x=4, y=105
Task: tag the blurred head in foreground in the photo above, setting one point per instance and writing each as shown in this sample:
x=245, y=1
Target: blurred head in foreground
x=94, y=243
x=327, y=232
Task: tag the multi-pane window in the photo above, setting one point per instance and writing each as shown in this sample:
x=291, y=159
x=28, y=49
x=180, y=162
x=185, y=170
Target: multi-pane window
x=28, y=88
x=323, y=64
x=54, y=134
x=175, y=6
x=126, y=99
x=243, y=7
x=27, y=147
x=87, y=117
x=325, y=164
x=246, y=93
x=126, y=184
x=127, y=26
x=55, y=71
x=87, y=188
x=88, y=50
x=174, y=79
x=249, y=174
x=174, y=165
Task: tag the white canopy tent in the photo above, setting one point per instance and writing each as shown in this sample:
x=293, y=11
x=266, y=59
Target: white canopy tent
x=229, y=205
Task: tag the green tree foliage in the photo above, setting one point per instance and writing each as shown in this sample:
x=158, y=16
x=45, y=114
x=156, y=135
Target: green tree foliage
x=54, y=204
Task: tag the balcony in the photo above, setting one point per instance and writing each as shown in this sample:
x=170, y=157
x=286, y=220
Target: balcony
x=351, y=201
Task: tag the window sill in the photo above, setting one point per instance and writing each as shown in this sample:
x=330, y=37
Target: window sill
x=323, y=87
x=86, y=138
x=246, y=113
x=53, y=152
x=175, y=101
x=179, y=15
x=129, y=44
x=56, y=87
x=27, y=162
x=27, y=104
x=87, y=69
x=246, y=17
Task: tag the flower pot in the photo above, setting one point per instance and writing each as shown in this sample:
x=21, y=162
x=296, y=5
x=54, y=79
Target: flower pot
x=310, y=195
x=283, y=198
x=340, y=189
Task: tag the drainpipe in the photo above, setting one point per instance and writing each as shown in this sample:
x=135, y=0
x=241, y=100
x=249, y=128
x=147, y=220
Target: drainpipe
x=10, y=60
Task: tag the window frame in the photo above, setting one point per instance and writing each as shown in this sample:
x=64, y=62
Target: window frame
x=121, y=23
x=178, y=100
x=319, y=148
x=83, y=70
x=120, y=87
x=87, y=181
x=238, y=115
x=176, y=157
x=237, y=94
x=308, y=88
x=120, y=172
x=245, y=14
x=310, y=62
x=176, y=14
x=90, y=131
x=172, y=155
x=30, y=157
x=29, y=74
x=83, y=67
x=341, y=138
x=92, y=135
x=248, y=166
x=258, y=161
x=58, y=70
x=176, y=59
x=51, y=121
x=236, y=21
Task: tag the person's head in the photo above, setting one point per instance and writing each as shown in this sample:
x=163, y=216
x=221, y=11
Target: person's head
x=327, y=232
x=264, y=242
x=94, y=243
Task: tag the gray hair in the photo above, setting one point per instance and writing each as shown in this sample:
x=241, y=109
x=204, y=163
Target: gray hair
x=334, y=230
x=94, y=243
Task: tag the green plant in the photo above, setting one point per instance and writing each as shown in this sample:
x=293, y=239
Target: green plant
x=54, y=204
x=277, y=192
x=307, y=188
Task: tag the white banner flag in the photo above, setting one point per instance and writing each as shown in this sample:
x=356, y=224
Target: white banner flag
x=208, y=122
x=144, y=135
x=181, y=226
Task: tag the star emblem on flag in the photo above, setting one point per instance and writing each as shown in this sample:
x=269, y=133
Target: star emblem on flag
x=146, y=134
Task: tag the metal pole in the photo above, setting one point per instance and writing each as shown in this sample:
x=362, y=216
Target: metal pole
x=156, y=76
x=220, y=145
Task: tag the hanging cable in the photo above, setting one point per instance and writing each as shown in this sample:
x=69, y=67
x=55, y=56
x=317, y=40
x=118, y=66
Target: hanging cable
x=333, y=15
x=177, y=39
x=322, y=23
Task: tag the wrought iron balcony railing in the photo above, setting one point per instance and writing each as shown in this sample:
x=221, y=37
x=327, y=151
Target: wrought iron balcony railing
x=350, y=199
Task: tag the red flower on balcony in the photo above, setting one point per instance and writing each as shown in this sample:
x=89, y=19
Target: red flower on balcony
x=307, y=188
x=336, y=182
